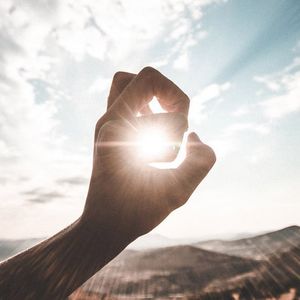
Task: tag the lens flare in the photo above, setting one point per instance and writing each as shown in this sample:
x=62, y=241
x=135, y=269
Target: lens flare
x=157, y=138
x=152, y=142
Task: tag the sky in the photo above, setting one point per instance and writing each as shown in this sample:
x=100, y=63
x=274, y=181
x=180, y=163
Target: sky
x=239, y=62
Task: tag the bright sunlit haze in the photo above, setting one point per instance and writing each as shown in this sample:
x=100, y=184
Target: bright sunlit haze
x=239, y=63
x=159, y=136
x=152, y=142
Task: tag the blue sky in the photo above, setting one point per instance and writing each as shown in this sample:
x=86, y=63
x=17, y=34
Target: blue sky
x=239, y=61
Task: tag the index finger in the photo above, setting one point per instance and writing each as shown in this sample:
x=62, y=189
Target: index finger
x=149, y=83
x=119, y=82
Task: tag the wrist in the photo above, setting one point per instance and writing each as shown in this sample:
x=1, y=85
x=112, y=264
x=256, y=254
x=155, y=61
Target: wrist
x=105, y=218
x=105, y=239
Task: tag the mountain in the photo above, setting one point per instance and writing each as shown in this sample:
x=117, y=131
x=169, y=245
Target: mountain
x=187, y=272
x=278, y=275
x=257, y=247
x=152, y=240
x=258, y=267
x=266, y=266
x=166, y=271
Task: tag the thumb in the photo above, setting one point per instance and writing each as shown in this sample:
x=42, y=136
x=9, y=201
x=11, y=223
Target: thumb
x=199, y=160
x=199, y=153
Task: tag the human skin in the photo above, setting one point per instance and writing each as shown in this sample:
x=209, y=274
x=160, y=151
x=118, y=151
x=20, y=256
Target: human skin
x=126, y=198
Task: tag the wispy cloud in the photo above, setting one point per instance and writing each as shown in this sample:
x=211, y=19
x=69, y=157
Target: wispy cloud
x=199, y=102
x=241, y=111
x=42, y=196
x=73, y=180
x=57, y=59
x=243, y=126
x=50, y=88
x=285, y=86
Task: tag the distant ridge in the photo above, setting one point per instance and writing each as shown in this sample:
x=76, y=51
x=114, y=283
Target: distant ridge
x=257, y=247
x=168, y=270
x=257, y=267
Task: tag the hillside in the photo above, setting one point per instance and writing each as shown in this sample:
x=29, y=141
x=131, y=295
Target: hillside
x=185, y=272
x=264, y=266
x=172, y=270
x=257, y=247
x=278, y=275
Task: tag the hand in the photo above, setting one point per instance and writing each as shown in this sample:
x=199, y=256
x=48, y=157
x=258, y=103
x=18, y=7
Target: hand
x=126, y=198
x=129, y=199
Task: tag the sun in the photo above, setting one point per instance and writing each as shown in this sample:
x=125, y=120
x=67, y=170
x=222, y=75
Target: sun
x=152, y=143
x=158, y=138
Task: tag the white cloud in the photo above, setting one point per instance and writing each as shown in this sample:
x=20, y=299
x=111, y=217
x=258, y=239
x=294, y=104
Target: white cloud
x=285, y=86
x=280, y=106
x=240, y=127
x=209, y=93
x=223, y=146
x=51, y=53
x=100, y=85
x=228, y=141
x=182, y=62
x=258, y=154
x=241, y=111
x=116, y=30
x=213, y=91
x=270, y=84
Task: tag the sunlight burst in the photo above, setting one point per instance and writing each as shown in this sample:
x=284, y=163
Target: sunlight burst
x=152, y=143
x=158, y=138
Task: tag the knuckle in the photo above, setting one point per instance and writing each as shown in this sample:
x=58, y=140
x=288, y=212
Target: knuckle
x=99, y=124
x=121, y=80
x=107, y=130
x=114, y=126
x=148, y=71
x=186, y=98
x=101, y=128
x=109, y=126
x=117, y=76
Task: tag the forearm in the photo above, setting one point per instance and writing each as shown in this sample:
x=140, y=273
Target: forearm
x=57, y=266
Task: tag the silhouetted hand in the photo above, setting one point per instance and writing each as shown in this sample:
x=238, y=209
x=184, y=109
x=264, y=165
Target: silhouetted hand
x=128, y=197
